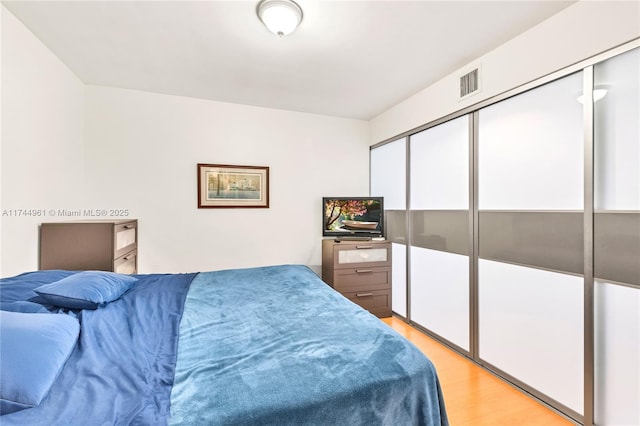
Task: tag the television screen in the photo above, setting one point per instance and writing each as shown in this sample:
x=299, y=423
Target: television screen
x=352, y=216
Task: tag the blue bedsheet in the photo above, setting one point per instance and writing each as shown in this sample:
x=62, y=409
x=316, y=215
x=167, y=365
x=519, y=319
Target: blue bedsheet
x=277, y=346
x=121, y=371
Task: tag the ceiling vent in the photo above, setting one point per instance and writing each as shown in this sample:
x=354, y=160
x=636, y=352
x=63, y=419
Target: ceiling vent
x=470, y=83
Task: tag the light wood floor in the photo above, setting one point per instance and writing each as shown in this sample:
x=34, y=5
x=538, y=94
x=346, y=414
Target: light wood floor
x=473, y=396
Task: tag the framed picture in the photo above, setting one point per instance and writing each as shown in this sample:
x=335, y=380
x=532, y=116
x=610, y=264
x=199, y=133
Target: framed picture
x=223, y=186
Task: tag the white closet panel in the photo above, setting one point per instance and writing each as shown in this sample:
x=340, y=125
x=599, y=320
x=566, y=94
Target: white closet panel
x=531, y=326
x=389, y=175
x=530, y=150
x=399, y=279
x=617, y=133
x=617, y=355
x=440, y=293
x=440, y=167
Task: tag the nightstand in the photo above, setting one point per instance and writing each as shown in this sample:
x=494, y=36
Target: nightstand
x=109, y=245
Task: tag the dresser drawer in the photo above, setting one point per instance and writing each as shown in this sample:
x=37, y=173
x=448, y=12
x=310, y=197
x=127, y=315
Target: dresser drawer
x=360, y=279
x=361, y=255
x=126, y=264
x=378, y=302
x=125, y=238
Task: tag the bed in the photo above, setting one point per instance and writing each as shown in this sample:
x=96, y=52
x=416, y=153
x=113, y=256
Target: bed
x=257, y=346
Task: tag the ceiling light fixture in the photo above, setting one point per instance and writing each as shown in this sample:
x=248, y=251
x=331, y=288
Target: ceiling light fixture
x=281, y=17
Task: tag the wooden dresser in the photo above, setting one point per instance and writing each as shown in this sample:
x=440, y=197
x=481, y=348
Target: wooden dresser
x=101, y=245
x=361, y=271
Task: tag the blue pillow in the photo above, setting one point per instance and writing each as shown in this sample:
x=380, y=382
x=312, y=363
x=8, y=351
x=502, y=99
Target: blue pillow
x=86, y=290
x=33, y=350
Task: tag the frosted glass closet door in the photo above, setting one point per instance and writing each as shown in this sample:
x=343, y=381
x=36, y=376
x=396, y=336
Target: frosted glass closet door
x=388, y=179
x=530, y=199
x=617, y=241
x=440, y=230
x=617, y=133
x=617, y=355
x=530, y=150
x=389, y=174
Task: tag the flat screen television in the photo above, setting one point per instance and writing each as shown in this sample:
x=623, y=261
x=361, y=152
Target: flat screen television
x=353, y=217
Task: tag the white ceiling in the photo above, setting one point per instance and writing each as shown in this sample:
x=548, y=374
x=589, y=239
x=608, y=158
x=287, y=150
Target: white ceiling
x=348, y=58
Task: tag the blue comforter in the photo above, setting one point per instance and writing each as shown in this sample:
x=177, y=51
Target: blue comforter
x=277, y=346
x=272, y=345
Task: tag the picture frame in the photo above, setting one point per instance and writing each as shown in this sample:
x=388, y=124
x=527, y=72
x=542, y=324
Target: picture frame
x=227, y=186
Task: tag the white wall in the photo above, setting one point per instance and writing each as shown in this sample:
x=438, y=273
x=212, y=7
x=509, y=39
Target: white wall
x=574, y=34
x=42, y=158
x=141, y=154
x=67, y=146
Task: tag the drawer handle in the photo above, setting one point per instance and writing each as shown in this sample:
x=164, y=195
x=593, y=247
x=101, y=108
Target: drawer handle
x=126, y=258
x=363, y=294
x=128, y=226
x=363, y=271
x=364, y=247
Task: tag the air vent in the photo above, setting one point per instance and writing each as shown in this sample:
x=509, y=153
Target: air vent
x=469, y=83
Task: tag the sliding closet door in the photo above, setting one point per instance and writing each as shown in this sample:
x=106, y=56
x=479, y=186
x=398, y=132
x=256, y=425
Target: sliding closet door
x=617, y=240
x=388, y=179
x=439, y=212
x=530, y=227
